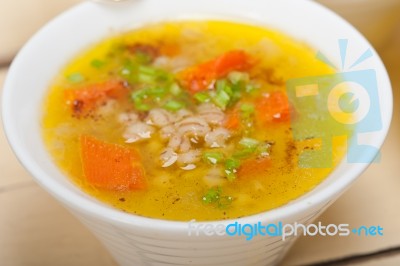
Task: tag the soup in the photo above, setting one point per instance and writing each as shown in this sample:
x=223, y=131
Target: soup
x=184, y=120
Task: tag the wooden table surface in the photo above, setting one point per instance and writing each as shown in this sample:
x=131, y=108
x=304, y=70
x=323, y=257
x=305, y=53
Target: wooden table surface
x=36, y=230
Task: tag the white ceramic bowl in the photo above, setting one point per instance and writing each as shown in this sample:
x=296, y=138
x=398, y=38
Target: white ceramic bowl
x=135, y=240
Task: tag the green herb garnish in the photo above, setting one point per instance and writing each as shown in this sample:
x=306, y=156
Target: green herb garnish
x=174, y=106
x=250, y=88
x=96, y=63
x=221, y=99
x=214, y=196
x=247, y=109
x=75, y=77
x=175, y=89
x=249, y=143
x=244, y=153
x=232, y=164
x=202, y=97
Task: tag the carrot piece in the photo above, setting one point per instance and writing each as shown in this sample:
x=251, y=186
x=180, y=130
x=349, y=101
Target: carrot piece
x=111, y=166
x=274, y=107
x=232, y=121
x=232, y=60
x=200, y=77
x=86, y=99
x=252, y=167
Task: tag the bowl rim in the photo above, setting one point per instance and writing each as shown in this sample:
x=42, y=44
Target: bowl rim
x=99, y=210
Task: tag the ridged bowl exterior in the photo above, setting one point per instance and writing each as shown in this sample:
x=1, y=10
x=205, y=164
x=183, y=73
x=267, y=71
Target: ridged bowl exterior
x=130, y=245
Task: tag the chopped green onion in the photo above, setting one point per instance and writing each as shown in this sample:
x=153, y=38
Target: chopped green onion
x=228, y=90
x=164, y=76
x=147, y=70
x=202, y=97
x=147, y=74
x=232, y=163
x=142, y=107
x=175, y=89
x=213, y=196
x=213, y=157
x=220, y=84
x=221, y=99
x=157, y=92
x=139, y=95
x=250, y=88
x=231, y=167
x=244, y=153
x=249, y=143
x=173, y=105
x=75, y=77
x=236, y=92
x=146, y=78
x=247, y=108
x=96, y=63
x=236, y=77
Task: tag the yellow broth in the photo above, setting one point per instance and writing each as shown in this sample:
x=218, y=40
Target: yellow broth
x=173, y=193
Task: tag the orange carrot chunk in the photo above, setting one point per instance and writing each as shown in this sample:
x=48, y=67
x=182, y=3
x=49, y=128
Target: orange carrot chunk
x=200, y=77
x=86, y=99
x=254, y=167
x=111, y=166
x=273, y=107
x=232, y=121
